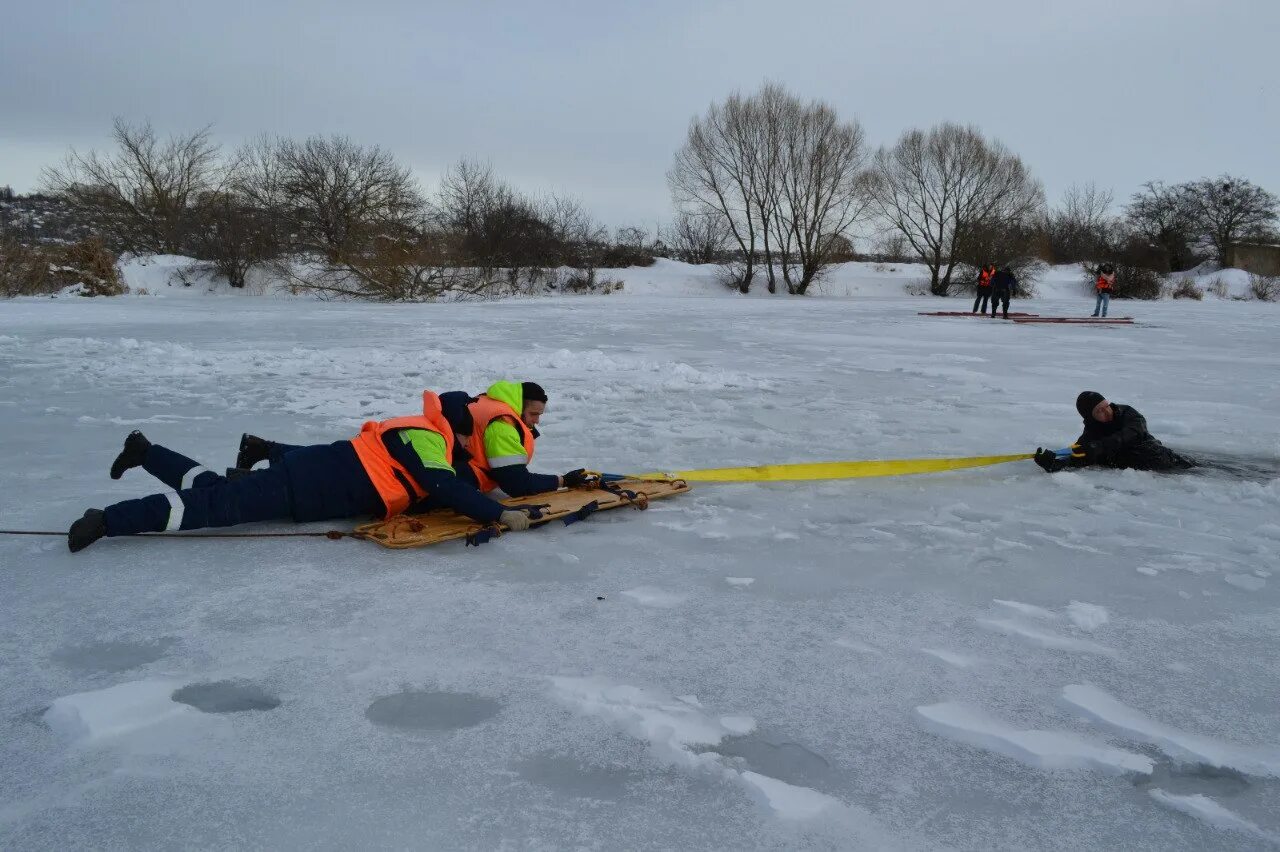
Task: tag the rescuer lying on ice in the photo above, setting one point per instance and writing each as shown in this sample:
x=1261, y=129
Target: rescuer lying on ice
x=1114, y=436
x=495, y=440
x=390, y=466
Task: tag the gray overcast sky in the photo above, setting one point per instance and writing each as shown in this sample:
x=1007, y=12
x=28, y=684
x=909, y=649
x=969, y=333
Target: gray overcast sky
x=593, y=99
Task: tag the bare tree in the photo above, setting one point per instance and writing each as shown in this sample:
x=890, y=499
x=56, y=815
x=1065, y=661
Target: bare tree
x=468, y=191
x=890, y=246
x=785, y=178
x=823, y=190
x=714, y=174
x=1228, y=209
x=632, y=237
x=698, y=238
x=1075, y=231
x=232, y=235
x=584, y=242
x=141, y=196
x=1165, y=216
x=937, y=187
x=344, y=196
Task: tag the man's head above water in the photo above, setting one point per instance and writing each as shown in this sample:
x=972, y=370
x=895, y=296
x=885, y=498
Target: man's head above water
x=1094, y=406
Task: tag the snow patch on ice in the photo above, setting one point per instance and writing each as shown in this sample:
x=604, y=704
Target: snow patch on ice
x=673, y=726
x=787, y=800
x=951, y=658
x=115, y=710
x=1210, y=812
x=1087, y=616
x=1044, y=638
x=1248, y=582
x=668, y=724
x=1039, y=749
x=739, y=581
x=1180, y=745
x=655, y=597
x=1027, y=609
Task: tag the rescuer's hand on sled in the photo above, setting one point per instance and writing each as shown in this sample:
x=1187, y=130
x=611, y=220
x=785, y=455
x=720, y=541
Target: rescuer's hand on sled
x=578, y=478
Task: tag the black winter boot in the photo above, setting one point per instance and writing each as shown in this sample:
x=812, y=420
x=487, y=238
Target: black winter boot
x=133, y=454
x=87, y=530
x=252, y=450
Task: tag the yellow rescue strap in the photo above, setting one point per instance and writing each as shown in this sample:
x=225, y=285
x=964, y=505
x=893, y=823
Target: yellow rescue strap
x=830, y=470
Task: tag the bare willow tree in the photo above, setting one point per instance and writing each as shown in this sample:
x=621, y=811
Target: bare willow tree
x=142, y=196
x=823, y=189
x=938, y=187
x=343, y=196
x=715, y=174
x=784, y=176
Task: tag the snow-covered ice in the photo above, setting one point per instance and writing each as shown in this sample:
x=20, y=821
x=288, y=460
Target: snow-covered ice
x=1044, y=638
x=951, y=658
x=523, y=694
x=1203, y=808
x=1262, y=760
x=1039, y=749
x=115, y=710
x=1087, y=616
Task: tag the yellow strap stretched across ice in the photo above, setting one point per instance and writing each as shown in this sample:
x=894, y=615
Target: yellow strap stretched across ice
x=831, y=470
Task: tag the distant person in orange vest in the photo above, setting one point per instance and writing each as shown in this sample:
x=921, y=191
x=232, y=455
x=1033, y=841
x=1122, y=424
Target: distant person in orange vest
x=1002, y=286
x=1106, y=285
x=984, y=288
x=390, y=466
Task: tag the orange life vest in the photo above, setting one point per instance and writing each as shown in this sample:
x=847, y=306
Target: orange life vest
x=484, y=411
x=984, y=276
x=1104, y=285
x=397, y=488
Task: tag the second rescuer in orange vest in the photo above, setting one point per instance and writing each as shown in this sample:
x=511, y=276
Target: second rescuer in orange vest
x=504, y=428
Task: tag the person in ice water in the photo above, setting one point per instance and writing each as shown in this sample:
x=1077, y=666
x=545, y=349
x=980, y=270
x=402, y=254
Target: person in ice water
x=496, y=434
x=1105, y=285
x=389, y=467
x=1002, y=286
x=984, y=288
x=1114, y=436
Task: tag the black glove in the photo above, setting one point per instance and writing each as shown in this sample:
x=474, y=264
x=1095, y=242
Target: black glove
x=578, y=478
x=1049, y=460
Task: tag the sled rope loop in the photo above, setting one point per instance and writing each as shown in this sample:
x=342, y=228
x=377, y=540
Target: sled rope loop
x=823, y=470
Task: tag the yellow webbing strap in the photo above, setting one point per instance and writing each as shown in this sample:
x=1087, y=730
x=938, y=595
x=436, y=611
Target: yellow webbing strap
x=831, y=470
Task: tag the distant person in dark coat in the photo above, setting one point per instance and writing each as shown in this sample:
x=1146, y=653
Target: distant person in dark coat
x=1002, y=286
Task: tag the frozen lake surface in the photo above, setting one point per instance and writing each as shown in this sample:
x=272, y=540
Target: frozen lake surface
x=990, y=658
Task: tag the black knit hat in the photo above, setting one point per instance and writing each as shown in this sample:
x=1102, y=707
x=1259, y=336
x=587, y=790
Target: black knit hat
x=1086, y=402
x=533, y=392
